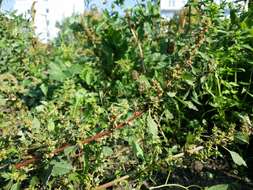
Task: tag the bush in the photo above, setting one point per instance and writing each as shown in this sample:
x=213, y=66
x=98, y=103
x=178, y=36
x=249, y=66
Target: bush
x=189, y=88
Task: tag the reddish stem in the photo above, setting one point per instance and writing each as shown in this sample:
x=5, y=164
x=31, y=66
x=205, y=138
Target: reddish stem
x=86, y=141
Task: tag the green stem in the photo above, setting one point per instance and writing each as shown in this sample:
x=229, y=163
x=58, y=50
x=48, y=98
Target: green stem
x=169, y=185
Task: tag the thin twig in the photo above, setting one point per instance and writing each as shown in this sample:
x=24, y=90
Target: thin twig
x=112, y=183
x=175, y=185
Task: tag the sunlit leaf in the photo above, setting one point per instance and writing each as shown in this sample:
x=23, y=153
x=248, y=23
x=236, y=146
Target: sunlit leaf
x=218, y=187
x=190, y=105
x=171, y=94
x=237, y=158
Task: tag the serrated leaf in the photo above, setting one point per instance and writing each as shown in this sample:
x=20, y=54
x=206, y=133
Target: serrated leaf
x=60, y=168
x=152, y=127
x=237, y=158
x=218, y=187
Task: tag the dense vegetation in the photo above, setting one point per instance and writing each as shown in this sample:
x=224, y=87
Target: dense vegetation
x=154, y=96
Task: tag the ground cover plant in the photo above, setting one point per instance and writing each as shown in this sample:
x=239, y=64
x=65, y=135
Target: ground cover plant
x=131, y=101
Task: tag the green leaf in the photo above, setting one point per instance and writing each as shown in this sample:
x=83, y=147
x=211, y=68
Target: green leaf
x=246, y=46
x=34, y=181
x=88, y=75
x=56, y=72
x=75, y=69
x=152, y=127
x=168, y=115
x=171, y=94
x=218, y=187
x=16, y=186
x=190, y=105
x=237, y=158
x=188, y=78
x=60, y=168
x=51, y=125
x=137, y=149
x=144, y=80
x=242, y=138
x=44, y=89
x=35, y=123
x=204, y=56
x=2, y=100
x=107, y=151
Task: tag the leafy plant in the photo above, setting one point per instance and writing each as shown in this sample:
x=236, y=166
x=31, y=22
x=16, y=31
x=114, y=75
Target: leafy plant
x=130, y=94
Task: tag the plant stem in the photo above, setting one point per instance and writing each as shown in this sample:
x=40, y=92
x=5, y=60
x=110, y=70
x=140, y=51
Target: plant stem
x=112, y=183
x=169, y=185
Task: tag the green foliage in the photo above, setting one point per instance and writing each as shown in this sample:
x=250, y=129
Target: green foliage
x=237, y=158
x=194, y=88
